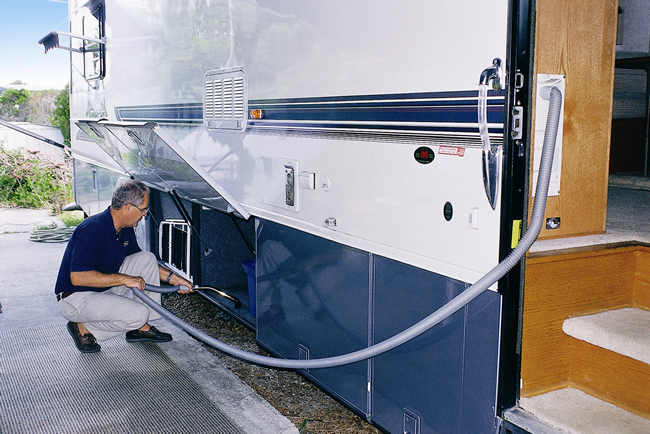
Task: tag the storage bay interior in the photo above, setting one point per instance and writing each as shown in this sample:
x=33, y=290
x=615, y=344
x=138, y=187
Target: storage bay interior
x=216, y=258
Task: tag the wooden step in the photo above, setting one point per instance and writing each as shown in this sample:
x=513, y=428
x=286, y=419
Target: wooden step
x=625, y=331
x=573, y=411
x=610, y=357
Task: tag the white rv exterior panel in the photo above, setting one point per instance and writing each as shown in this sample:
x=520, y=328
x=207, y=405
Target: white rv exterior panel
x=292, y=49
x=314, y=56
x=392, y=205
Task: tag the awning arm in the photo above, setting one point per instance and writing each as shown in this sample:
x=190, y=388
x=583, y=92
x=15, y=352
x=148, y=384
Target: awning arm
x=32, y=134
x=51, y=40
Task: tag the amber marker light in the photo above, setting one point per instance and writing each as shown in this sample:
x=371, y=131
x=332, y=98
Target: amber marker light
x=257, y=114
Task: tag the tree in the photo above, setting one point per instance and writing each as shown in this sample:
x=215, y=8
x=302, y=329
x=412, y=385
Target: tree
x=61, y=116
x=13, y=105
x=40, y=108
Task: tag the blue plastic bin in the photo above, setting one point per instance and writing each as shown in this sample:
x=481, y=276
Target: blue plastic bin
x=249, y=268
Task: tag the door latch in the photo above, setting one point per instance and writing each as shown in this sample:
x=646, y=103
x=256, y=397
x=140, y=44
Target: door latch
x=517, y=120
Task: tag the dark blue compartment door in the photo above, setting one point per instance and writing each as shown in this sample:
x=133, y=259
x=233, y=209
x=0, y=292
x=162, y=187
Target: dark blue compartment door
x=447, y=375
x=313, y=295
x=482, y=334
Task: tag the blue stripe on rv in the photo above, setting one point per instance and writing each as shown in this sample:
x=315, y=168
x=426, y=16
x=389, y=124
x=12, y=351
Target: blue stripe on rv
x=399, y=112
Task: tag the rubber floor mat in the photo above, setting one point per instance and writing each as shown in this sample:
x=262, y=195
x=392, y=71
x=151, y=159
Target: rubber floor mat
x=47, y=386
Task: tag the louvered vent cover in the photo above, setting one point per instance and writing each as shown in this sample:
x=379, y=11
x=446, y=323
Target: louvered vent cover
x=225, y=103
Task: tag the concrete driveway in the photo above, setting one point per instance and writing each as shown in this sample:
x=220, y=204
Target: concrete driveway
x=27, y=270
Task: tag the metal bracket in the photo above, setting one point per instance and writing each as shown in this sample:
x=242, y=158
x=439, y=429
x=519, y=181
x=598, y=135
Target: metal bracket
x=51, y=40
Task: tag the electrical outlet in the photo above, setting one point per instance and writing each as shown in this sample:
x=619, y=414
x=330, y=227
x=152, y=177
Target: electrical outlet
x=553, y=223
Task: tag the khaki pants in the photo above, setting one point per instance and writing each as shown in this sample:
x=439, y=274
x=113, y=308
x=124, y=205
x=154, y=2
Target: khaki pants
x=112, y=312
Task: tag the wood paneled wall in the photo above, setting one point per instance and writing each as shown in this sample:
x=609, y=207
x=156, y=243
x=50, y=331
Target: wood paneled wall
x=611, y=377
x=577, y=38
x=561, y=286
x=642, y=280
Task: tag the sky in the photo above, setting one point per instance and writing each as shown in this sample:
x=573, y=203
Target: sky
x=22, y=24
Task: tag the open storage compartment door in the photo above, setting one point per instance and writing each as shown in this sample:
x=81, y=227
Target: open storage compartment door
x=150, y=155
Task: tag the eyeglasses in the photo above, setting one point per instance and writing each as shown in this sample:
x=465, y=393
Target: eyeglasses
x=142, y=210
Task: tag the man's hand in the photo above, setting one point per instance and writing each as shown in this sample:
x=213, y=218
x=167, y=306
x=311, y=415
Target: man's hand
x=134, y=282
x=183, y=283
x=174, y=280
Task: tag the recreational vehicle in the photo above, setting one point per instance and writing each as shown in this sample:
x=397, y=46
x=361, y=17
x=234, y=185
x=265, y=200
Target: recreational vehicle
x=343, y=170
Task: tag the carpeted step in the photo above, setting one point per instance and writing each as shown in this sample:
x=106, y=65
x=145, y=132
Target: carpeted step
x=624, y=331
x=627, y=181
x=573, y=411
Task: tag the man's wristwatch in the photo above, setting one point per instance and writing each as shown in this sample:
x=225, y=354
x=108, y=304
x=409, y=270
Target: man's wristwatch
x=169, y=277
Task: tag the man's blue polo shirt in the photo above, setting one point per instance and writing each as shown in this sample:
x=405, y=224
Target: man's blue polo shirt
x=95, y=245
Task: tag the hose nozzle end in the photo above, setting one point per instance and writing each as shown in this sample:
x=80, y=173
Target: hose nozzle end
x=545, y=92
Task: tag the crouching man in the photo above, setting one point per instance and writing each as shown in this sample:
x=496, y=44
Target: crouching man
x=101, y=263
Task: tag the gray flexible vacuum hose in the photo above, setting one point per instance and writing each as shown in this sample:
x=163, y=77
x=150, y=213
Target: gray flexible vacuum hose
x=436, y=317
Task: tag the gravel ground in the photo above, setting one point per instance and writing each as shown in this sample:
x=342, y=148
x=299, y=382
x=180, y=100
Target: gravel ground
x=309, y=408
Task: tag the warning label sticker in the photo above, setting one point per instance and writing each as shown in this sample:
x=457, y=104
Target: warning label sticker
x=451, y=150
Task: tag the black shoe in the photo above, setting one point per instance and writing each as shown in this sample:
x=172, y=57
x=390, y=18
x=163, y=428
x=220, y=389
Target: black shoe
x=151, y=335
x=85, y=343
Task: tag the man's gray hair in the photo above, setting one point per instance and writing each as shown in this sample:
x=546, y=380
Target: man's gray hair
x=128, y=191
